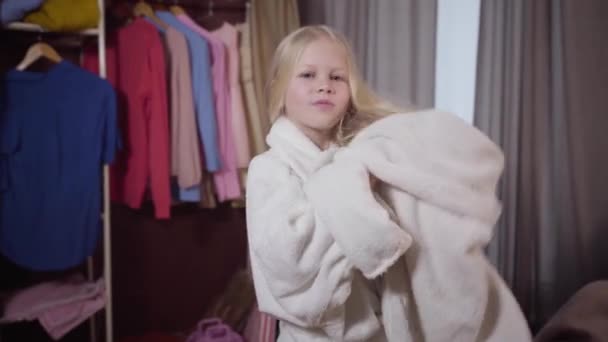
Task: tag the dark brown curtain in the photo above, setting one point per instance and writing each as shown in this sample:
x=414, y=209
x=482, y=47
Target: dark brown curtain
x=542, y=95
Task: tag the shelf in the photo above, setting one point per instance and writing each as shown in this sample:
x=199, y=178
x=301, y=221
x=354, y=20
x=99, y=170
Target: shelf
x=27, y=27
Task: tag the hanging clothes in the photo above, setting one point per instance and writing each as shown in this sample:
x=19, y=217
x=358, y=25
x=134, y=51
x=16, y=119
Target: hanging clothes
x=186, y=162
x=229, y=36
x=136, y=67
x=205, y=191
x=202, y=90
x=57, y=129
x=271, y=21
x=226, y=179
x=257, y=130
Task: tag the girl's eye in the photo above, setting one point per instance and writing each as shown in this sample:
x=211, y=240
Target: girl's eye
x=306, y=75
x=337, y=78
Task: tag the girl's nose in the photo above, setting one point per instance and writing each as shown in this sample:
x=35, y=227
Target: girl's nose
x=324, y=88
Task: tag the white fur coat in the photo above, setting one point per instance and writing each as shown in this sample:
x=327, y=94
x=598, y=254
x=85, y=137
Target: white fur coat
x=336, y=261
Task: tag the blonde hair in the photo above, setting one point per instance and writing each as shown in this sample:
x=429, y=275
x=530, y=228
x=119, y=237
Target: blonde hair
x=365, y=107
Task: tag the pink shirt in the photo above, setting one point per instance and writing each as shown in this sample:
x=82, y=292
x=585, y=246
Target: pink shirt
x=186, y=161
x=229, y=35
x=227, y=179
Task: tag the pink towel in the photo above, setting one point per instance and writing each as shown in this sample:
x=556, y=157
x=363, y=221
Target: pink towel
x=61, y=320
x=60, y=305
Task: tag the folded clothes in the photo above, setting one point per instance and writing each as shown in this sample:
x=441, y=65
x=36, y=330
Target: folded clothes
x=60, y=306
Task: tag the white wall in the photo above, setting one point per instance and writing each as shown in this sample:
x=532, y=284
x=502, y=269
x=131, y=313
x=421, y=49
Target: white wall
x=456, y=61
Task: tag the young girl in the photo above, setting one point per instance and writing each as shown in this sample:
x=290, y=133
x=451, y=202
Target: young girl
x=366, y=224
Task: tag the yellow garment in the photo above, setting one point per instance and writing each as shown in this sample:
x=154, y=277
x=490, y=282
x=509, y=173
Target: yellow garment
x=271, y=21
x=66, y=15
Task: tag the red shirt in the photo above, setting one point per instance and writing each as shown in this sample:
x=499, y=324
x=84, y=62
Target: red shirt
x=136, y=67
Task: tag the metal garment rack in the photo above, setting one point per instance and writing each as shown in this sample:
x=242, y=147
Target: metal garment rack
x=107, y=237
x=100, y=33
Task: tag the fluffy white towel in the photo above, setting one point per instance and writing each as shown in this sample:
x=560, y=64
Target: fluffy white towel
x=313, y=220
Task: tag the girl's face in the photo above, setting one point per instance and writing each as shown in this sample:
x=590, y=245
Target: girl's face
x=318, y=93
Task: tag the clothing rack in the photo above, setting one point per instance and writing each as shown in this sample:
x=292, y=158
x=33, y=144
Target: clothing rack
x=100, y=34
x=107, y=237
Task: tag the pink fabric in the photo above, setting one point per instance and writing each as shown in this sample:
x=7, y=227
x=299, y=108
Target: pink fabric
x=230, y=36
x=60, y=305
x=260, y=327
x=227, y=179
x=61, y=320
x=186, y=161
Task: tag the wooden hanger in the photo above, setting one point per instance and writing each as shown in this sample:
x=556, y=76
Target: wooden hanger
x=176, y=9
x=35, y=52
x=143, y=9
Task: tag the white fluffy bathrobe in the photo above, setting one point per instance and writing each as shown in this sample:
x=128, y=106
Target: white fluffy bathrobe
x=335, y=261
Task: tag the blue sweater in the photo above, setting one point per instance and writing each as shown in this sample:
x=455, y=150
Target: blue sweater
x=57, y=129
x=202, y=90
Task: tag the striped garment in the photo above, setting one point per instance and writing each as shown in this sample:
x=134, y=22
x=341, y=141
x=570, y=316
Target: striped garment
x=260, y=327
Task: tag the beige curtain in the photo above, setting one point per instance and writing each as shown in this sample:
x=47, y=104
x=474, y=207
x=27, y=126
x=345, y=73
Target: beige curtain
x=394, y=42
x=271, y=21
x=539, y=97
x=255, y=123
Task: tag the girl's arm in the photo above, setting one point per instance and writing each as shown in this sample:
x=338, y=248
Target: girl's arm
x=301, y=273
